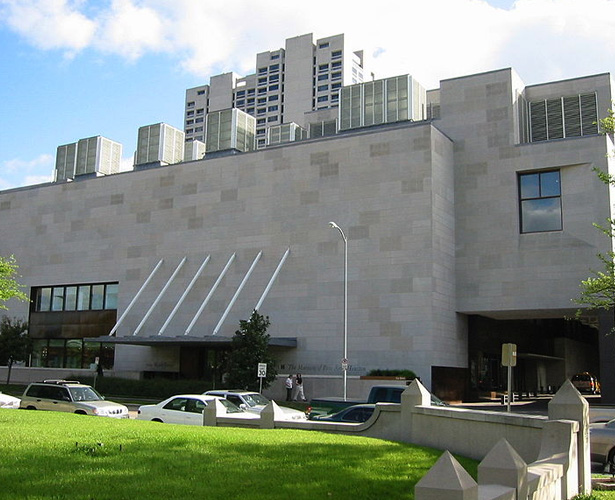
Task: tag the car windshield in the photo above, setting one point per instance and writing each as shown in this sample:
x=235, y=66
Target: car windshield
x=255, y=399
x=230, y=407
x=84, y=394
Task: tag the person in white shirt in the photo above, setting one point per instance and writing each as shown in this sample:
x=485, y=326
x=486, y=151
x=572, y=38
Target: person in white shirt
x=289, y=388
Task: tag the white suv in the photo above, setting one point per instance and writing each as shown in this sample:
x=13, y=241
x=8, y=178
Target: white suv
x=70, y=396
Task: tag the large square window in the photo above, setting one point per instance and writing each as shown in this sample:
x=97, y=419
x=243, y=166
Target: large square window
x=540, y=202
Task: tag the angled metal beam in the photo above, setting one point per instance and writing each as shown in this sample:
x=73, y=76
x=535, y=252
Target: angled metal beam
x=184, y=295
x=134, y=299
x=211, y=292
x=271, y=281
x=241, y=285
x=164, y=289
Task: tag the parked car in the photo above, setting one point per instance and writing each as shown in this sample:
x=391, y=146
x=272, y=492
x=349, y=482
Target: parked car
x=602, y=443
x=186, y=409
x=254, y=402
x=7, y=401
x=70, y=396
x=354, y=414
x=586, y=382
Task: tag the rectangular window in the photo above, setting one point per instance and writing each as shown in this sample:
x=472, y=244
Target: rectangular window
x=98, y=297
x=57, y=300
x=111, y=296
x=323, y=45
x=83, y=298
x=70, y=303
x=336, y=54
x=540, y=201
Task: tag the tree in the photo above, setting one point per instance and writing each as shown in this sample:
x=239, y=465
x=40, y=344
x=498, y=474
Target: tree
x=15, y=343
x=9, y=288
x=249, y=347
x=598, y=291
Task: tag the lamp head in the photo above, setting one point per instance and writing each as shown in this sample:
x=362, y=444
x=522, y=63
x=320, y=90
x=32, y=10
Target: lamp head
x=332, y=224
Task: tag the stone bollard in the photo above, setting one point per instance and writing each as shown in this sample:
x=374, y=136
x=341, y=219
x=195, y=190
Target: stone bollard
x=270, y=414
x=211, y=412
x=568, y=404
x=446, y=480
x=504, y=466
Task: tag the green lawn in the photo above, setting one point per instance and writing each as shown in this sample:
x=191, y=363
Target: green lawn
x=55, y=455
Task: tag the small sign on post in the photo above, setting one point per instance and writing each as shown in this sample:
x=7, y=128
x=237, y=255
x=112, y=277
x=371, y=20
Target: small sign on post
x=509, y=359
x=344, y=364
x=509, y=354
x=261, y=372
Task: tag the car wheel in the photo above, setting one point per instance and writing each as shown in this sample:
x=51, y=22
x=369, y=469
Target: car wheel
x=80, y=412
x=610, y=462
x=157, y=420
x=30, y=407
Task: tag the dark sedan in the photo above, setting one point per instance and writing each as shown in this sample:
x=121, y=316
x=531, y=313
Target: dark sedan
x=353, y=414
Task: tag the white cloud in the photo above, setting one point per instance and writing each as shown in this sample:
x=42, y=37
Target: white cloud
x=17, y=164
x=19, y=172
x=30, y=180
x=49, y=24
x=130, y=30
x=430, y=39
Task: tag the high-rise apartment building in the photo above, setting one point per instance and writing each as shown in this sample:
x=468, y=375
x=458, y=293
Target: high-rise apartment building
x=94, y=155
x=289, y=82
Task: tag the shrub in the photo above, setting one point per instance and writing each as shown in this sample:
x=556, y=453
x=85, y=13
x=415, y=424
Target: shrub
x=156, y=388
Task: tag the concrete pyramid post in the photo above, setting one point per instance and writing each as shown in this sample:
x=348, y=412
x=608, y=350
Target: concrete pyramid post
x=446, y=480
x=212, y=411
x=270, y=414
x=569, y=404
x=504, y=466
x=415, y=395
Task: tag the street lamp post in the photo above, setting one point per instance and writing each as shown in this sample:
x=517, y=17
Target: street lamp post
x=345, y=360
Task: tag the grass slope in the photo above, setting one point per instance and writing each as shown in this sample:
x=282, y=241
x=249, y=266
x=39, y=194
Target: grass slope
x=55, y=455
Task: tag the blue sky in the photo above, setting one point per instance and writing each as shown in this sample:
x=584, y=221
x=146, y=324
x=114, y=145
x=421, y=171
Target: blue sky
x=77, y=68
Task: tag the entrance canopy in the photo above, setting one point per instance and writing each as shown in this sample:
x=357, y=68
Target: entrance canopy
x=183, y=340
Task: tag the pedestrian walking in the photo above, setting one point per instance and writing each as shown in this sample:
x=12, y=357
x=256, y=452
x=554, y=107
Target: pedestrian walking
x=300, y=395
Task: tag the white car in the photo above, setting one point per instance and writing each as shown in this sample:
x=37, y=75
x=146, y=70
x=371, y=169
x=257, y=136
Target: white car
x=254, y=402
x=7, y=401
x=186, y=409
